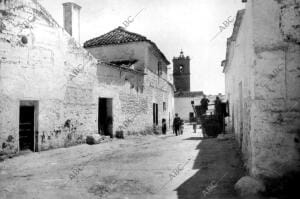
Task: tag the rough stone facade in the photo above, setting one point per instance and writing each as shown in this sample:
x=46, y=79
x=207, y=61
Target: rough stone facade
x=41, y=65
x=262, y=85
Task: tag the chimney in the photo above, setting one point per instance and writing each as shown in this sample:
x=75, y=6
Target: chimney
x=72, y=19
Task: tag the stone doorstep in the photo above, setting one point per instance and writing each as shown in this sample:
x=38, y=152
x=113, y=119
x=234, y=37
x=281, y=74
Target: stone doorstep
x=7, y=156
x=96, y=139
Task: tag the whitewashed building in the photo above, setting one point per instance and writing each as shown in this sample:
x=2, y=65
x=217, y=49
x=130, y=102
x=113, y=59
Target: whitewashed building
x=53, y=92
x=262, y=75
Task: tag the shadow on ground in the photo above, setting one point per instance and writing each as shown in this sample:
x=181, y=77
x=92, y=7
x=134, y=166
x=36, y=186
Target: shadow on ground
x=195, y=138
x=219, y=167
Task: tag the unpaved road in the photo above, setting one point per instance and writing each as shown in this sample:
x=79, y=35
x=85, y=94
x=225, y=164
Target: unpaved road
x=160, y=167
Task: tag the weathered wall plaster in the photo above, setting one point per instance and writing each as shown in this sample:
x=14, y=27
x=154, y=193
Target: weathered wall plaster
x=262, y=85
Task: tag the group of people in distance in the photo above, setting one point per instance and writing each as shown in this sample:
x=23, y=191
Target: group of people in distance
x=219, y=112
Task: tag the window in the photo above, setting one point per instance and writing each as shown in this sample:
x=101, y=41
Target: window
x=181, y=69
x=159, y=68
x=164, y=106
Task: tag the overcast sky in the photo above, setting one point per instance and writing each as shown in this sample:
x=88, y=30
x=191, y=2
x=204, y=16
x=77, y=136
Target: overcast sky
x=189, y=25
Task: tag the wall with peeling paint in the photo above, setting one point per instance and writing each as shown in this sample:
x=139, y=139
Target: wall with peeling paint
x=263, y=65
x=40, y=61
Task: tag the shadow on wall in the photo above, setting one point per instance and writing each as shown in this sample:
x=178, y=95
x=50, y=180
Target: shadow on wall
x=219, y=167
x=285, y=186
x=112, y=74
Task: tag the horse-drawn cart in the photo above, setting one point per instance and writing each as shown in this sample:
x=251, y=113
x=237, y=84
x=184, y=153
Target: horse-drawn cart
x=211, y=122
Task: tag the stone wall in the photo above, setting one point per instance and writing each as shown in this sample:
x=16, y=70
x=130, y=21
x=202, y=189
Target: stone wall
x=276, y=108
x=262, y=85
x=41, y=62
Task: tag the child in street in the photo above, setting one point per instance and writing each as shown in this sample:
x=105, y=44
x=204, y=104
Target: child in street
x=164, y=126
x=181, y=127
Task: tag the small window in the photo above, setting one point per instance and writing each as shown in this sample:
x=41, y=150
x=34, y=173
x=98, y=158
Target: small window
x=181, y=69
x=159, y=68
x=164, y=106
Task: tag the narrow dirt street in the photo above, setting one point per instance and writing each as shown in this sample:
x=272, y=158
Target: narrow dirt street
x=138, y=167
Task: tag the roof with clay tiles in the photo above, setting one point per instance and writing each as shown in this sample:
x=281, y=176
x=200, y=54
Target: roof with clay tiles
x=120, y=36
x=189, y=94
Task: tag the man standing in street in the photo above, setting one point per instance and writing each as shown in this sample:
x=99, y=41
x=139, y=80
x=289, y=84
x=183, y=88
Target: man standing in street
x=176, y=124
x=219, y=112
x=204, y=104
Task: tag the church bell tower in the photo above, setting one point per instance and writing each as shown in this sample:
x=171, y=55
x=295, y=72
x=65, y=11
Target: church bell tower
x=181, y=72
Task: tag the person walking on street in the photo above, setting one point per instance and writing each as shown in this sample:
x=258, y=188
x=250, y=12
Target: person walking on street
x=176, y=124
x=194, y=127
x=218, y=108
x=219, y=112
x=204, y=105
x=181, y=127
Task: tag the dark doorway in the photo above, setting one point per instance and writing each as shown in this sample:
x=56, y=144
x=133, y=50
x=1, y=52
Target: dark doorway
x=191, y=116
x=105, y=117
x=155, y=113
x=28, y=126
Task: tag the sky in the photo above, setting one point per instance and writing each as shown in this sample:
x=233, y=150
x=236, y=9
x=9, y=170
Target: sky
x=195, y=26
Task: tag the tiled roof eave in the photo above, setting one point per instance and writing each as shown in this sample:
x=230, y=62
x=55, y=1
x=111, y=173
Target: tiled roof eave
x=188, y=94
x=121, y=68
x=111, y=44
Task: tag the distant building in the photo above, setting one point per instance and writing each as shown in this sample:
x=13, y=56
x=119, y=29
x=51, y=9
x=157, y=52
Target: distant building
x=181, y=73
x=183, y=95
x=183, y=104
